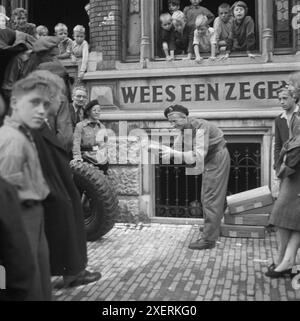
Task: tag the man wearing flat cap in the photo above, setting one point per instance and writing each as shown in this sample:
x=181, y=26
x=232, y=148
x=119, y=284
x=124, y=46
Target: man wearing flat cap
x=202, y=144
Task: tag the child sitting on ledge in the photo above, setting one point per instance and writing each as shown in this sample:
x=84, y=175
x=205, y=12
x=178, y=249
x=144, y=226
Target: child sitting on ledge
x=167, y=35
x=80, y=49
x=243, y=36
x=203, y=38
x=65, y=45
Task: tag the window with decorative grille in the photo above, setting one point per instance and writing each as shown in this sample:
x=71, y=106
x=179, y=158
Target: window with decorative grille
x=179, y=195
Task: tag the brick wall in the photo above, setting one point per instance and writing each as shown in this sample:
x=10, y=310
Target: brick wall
x=106, y=37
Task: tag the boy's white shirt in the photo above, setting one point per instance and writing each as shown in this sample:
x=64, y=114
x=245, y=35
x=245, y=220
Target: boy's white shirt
x=197, y=37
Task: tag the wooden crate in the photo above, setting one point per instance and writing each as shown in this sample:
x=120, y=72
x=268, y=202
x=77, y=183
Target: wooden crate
x=249, y=200
x=243, y=231
x=261, y=210
x=248, y=219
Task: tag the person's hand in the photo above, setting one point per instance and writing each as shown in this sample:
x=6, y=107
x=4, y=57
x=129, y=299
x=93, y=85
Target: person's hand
x=199, y=60
x=166, y=155
x=81, y=75
x=73, y=59
x=223, y=57
x=250, y=55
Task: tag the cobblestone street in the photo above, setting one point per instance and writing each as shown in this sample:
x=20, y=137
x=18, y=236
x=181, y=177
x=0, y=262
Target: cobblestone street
x=153, y=263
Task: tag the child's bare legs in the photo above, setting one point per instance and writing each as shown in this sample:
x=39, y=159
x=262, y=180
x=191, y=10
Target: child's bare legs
x=290, y=252
x=189, y=57
x=172, y=56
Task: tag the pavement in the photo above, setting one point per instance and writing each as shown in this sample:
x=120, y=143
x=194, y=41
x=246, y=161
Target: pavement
x=152, y=262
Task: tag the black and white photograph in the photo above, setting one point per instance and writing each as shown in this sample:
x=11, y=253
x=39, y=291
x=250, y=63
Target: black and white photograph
x=149, y=153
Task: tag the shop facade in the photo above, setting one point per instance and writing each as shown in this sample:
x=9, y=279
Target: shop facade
x=134, y=85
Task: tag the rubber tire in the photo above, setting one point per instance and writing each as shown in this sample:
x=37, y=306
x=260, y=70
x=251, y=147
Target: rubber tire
x=99, y=190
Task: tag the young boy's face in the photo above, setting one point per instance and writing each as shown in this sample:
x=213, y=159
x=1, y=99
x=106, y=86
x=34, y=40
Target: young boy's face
x=178, y=25
x=195, y=2
x=62, y=34
x=31, y=108
x=202, y=30
x=239, y=13
x=286, y=101
x=20, y=20
x=166, y=24
x=224, y=14
x=173, y=7
x=43, y=33
x=79, y=37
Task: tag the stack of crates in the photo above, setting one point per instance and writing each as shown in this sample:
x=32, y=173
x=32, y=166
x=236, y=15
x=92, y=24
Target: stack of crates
x=248, y=213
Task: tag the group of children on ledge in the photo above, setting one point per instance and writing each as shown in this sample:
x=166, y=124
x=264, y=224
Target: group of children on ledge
x=77, y=49
x=189, y=32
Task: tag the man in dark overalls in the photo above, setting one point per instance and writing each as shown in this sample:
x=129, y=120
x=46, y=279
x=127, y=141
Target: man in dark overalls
x=204, y=146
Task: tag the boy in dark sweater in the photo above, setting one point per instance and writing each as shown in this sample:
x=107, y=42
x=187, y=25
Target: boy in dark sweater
x=194, y=10
x=243, y=36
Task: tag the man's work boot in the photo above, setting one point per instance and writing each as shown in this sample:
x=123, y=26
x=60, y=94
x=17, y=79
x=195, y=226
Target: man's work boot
x=202, y=244
x=82, y=278
x=85, y=277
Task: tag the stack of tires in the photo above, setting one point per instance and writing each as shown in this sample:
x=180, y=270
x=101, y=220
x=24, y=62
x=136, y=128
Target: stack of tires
x=99, y=199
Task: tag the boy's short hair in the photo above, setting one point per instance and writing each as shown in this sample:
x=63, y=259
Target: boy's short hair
x=55, y=82
x=165, y=16
x=201, y=20
x=178, y=16
x=79, y=28
x=41, y=28
x=18, y=11
x=60, y=26
x=293, y=92
x=29, y=84
x=224, y=5
x=240, y=4
x=174, y=2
